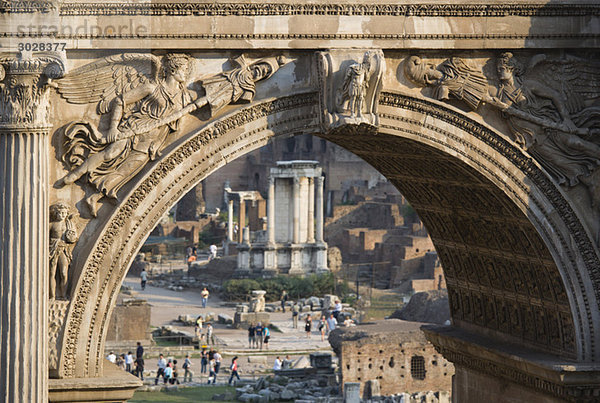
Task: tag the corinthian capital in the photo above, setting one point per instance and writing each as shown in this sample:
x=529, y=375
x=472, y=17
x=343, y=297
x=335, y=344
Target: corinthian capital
x=24, y=82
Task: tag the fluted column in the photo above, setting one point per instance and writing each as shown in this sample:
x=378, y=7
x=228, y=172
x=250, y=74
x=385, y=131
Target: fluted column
x=24, y=153
x=319, y=218
x=230, y=220
x=296, y=219
x=242, y=220
x=311, y=211
x=271, y=212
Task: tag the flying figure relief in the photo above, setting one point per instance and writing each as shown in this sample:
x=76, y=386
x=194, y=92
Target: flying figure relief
x=144, y=97
x=550, y=107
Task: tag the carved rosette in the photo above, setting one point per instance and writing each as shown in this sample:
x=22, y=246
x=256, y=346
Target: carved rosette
x=349, y=87
x=24, y=88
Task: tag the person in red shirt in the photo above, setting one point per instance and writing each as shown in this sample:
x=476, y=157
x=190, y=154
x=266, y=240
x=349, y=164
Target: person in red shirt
x=234, y=369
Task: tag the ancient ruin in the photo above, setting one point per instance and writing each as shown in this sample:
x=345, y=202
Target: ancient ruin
x=484, y=115
x=293, y=242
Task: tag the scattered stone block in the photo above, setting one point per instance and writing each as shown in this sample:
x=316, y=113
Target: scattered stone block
x=257, y=359
x=352, y=392
x=372, y=389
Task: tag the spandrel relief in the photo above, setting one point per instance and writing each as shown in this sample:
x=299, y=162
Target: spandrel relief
x=144, y=97
x=550, y=106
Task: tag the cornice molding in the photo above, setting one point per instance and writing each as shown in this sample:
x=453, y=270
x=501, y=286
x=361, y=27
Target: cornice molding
x=282, y=9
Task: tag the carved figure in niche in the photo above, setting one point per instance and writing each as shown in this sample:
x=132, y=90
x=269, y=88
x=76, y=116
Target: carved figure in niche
x=451, y=77
x=62, y=235
x=354, y=89
x=144, y=97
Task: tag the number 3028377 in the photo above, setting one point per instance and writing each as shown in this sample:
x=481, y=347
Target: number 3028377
x=42, y=46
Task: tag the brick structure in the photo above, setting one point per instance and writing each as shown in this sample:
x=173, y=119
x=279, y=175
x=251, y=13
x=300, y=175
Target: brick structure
x=394, y=352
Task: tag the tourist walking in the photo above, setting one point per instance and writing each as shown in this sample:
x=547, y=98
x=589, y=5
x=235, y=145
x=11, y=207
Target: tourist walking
x=161, y=364
x=213, y=252
x=173, y=380
x=129, y=362
x=331, y=323
x=187, y=364
x=139, y=368
x=143, y=278
x=168, y=373
x=203, y=361
x=139, y=352
x=322, y=327
x=218, y=358
x=259, y=336
x=295, y=314
x=267, y=334
x=212, y=375
x=308, y=325
x=284, y=298
x=198, y=327
x=204, y=294
x=277, y=364
x=251, y=335
x=210, y=337
x=234, y=369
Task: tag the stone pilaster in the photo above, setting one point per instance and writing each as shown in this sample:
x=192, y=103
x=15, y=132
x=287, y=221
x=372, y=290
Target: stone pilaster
x=311, y=211
x=24, y=157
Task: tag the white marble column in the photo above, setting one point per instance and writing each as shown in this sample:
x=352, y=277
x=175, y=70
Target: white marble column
x=271, y=212
x=296, y=220
x=24, y=154
x=319, y=218
x=242, y=220
x=311, y=210
x=230, y=220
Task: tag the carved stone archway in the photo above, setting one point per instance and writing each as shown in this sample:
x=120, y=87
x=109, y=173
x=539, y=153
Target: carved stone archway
x=515, y=234
x=421, y=144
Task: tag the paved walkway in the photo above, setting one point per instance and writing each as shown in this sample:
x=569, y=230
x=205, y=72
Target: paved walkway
x=167, y=305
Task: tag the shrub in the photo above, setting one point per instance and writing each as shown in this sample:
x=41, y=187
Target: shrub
x=239, y=289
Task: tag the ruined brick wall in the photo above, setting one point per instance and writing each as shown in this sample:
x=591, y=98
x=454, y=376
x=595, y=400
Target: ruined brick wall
x=395, y=353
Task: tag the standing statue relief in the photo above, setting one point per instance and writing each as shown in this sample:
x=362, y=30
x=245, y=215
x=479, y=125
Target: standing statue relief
x=144, y=98
x=62, y=235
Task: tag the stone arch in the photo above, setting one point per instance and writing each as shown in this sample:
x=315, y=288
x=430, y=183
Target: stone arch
x=478, y=154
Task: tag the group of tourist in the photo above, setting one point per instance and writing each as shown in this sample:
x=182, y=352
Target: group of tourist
x=259, y=336
x=127, y=363
x=201, y=332
x=285, y=364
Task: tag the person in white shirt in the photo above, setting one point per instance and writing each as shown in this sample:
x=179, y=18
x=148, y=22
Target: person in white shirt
x=213, y=251
x=162, y=364
x=144, y=278
x=112, y=357
x=218, y=358
x=129, y=362
x=277, y=365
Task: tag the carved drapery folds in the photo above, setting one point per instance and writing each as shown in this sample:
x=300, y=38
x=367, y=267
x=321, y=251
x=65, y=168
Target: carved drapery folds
x=550, y=107
x=144, y=97
x=349, y=90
